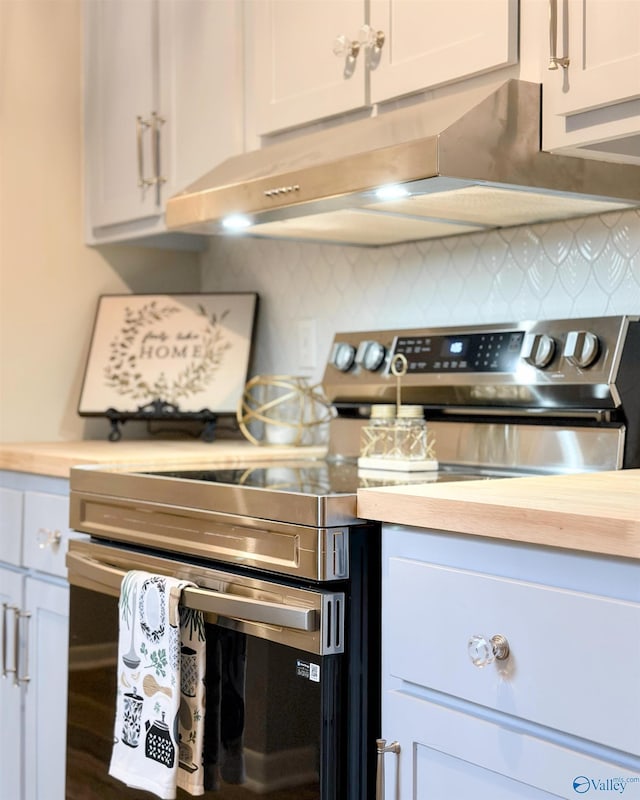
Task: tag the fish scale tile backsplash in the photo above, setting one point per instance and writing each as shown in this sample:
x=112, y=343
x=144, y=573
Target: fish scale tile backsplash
x=577, y=268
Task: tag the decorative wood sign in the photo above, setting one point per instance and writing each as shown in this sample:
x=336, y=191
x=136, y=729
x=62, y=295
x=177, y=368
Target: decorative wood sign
x=189, y=352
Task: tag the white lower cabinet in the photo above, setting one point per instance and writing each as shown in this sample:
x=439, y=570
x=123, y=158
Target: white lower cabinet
x=448, y=753
x=45, y=711
x=559, y=716
x=34, y=599
x=11, y=696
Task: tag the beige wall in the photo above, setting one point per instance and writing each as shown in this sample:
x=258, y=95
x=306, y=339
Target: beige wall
x=49, y=281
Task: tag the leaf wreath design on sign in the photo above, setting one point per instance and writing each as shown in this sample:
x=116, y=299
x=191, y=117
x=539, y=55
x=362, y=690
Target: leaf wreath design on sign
x=142, y=335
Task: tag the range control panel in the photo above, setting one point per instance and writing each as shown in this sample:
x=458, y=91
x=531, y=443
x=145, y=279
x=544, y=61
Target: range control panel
x=537, y=363
x=473, y=352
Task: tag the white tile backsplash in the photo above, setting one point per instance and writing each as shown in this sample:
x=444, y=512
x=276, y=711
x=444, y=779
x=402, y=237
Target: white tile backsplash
x=577, y=268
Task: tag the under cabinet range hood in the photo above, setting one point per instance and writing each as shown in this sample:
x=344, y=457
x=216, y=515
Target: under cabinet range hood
x=467, y=162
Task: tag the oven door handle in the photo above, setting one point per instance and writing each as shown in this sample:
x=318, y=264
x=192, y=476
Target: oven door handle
x=97, y=576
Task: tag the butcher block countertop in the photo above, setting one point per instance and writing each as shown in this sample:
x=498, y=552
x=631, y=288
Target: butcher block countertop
x=596, y=512
x=56, y=458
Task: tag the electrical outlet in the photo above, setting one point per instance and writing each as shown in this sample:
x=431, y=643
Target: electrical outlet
x=307, y=344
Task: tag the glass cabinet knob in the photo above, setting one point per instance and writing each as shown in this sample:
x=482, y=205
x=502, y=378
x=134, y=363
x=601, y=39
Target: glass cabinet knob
x=370, y=37
x=484, y=650
x=344, y=47
x=48, y=538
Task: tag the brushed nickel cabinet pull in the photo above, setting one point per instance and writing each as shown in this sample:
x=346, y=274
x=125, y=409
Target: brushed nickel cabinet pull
x=17, y=678
x=5, y=608
x=141, y=126
x=381, y=748
x=16, y=645
x=156, y=123
x=554, y=59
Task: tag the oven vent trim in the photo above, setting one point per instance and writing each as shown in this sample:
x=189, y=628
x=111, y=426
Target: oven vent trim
x=332, y=623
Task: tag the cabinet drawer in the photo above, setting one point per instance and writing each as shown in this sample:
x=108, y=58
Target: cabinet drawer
x=573, y=656
x=46, y=532
x=448, y=754
x=10, y=526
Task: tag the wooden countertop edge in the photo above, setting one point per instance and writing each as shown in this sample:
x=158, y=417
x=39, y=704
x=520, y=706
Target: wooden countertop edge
x=37, y=464
x=585, y=532
x=57, y=459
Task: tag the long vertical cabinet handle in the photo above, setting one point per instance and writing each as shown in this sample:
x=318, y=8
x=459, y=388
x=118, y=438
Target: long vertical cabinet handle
x=141, y=126
x=17, y=678
x=156, y=123
x=381, y=748
x=554, y=59
x=5, y=609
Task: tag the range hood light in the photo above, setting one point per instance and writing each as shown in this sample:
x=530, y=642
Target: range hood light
x=236, y=223
x=392, y=191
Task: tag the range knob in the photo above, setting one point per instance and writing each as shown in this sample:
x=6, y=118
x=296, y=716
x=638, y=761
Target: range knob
x=343, y=356
x=538, y=349
x=581, y=348
x=370, y=355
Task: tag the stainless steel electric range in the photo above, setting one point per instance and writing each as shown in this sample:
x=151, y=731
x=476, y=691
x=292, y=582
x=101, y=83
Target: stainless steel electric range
x=284, y=564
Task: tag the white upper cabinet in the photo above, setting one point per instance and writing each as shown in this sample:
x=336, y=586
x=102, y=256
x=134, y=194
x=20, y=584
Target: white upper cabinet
x=163, y=105
x=297, y=77
x=120, y=96
x=591, y=102
x=313, y=59
x=428, y=43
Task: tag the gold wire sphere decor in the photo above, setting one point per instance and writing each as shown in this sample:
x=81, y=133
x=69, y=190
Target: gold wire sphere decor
x=283, y=409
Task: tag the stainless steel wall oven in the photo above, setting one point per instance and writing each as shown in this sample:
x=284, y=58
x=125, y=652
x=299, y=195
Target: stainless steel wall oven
x=288, y=576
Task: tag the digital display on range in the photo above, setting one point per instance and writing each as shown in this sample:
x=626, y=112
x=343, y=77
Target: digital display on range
x=473, y=352
x=455, y=346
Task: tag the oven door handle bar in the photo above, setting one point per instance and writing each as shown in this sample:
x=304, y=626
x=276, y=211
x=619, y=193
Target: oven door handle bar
x=250, y=610
x=97, y=576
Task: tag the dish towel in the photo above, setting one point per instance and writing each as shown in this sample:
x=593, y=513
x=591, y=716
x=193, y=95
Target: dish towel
x=159, y=723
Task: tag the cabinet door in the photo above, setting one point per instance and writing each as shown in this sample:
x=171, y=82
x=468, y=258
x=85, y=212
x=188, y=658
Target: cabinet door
x=548, y=691
x=120, y=62
x=11, y=526
x=429, y=43
x=11, y=729
x=46, y=695
x=201, y=88
x=46, y=532
x=598, y=96
x=297, y=76
x=446, y=753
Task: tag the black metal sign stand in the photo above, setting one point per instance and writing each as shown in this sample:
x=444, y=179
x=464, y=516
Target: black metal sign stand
x=159, y=410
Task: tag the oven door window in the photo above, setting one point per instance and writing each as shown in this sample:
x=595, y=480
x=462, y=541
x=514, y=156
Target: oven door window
x=273, y=721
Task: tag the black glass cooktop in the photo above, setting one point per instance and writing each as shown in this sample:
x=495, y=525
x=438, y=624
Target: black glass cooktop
x=320, y=477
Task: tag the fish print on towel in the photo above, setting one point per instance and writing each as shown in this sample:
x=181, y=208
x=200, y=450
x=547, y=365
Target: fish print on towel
x=149, y=732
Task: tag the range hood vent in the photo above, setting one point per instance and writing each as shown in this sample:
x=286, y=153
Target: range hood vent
x=467, y=162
